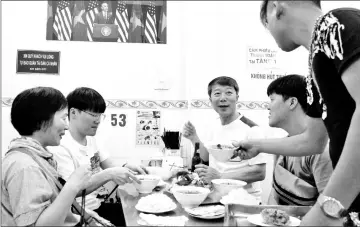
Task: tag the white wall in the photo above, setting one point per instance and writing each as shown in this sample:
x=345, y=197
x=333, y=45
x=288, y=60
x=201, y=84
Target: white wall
x=118, y=71
x=205, y=40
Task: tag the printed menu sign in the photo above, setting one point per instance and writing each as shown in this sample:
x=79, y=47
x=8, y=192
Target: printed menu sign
x=33, y=61
x=148, y=128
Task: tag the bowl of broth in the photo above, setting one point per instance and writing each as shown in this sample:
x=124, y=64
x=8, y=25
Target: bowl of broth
x=221, y=152
x=190, y=196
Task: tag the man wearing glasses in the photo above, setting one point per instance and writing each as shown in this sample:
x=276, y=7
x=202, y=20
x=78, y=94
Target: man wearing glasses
x=86, y=110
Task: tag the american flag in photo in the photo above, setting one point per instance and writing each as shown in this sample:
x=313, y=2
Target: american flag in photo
x=63, y=21
x=122, y=21
x=91, y=11
x=150, y=24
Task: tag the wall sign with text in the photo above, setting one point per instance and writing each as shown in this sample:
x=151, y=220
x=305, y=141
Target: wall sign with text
x=267, y=74
x=261, y=58
x=34, y=61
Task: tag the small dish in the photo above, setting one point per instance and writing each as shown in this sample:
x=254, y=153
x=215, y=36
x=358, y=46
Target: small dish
x=208, y=217
x=207, y=211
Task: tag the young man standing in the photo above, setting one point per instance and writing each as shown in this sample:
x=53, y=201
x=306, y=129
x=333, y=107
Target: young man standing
x=86, y=107
x=333, y=94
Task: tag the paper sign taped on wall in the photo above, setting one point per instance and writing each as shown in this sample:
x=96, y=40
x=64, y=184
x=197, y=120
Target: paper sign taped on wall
x=148, y=128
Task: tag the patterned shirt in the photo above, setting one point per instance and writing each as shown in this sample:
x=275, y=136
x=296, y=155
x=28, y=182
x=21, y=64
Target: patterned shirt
x=335, y=47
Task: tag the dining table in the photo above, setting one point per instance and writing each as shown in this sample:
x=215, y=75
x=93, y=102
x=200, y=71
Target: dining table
x=235, y=214
x=130, y=197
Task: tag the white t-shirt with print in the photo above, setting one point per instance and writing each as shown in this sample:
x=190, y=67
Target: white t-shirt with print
x=70, y=155
x=226, y=134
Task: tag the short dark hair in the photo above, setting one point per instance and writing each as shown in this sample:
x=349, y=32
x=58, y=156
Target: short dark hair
x=34, y=109
x=290, y=86
x=84, y=98
x=224, y=81
x=264, y=5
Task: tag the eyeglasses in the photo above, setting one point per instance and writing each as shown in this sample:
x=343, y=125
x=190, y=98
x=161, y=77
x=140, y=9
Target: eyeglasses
x=100, y=116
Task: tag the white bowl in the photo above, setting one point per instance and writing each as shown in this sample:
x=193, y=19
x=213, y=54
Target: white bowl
x=222, y=155
x=190, y=196
x=224, y=186
x=148, y=183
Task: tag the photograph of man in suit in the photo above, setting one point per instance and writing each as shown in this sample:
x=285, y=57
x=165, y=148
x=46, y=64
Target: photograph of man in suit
x=104, y=16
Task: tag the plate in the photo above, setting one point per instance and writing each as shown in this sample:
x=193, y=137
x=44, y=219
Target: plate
x=208, y=217
x=171, y=208
x=247, y=203
x=196, y=212
x=161, y=220
x=256, y=219
x=142, y=222
x=174, y=186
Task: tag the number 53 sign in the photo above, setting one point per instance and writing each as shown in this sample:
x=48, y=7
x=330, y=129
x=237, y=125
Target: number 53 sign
x=118, y=120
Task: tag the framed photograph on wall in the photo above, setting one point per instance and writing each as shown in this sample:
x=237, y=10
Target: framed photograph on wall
x=107, y=21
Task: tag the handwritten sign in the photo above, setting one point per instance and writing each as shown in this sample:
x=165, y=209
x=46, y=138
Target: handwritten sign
x=33, y=61
x=261, y=58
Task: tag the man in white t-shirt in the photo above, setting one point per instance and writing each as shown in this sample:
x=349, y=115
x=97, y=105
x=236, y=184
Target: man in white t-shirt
x=71, y=154
x=86, y=108
x=223, y=92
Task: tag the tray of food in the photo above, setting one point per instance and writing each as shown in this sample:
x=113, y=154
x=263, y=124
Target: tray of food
x=273, y=217
x=264, y=215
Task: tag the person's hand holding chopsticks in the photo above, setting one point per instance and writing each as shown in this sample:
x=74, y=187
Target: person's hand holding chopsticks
x=122, y=175
x=137, y=169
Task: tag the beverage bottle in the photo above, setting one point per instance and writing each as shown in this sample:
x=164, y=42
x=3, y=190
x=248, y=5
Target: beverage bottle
x=196, y=158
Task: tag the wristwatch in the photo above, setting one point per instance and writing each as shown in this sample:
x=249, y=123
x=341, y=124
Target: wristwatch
x=331, y=207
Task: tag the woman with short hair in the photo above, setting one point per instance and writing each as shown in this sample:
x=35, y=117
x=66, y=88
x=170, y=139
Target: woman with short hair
x=30, y=195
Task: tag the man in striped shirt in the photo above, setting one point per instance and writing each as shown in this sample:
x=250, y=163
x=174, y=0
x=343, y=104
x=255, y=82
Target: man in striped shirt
x=297, y=180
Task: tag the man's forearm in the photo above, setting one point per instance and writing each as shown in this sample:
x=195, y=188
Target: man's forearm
x=346, y=177
x=249, y=174
x=312, y=141
x=110, y=163
x=97, y=180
